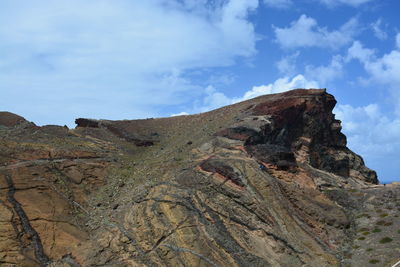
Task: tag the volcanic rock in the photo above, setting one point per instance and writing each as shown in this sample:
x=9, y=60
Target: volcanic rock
x=265, y=182
x=9, y=119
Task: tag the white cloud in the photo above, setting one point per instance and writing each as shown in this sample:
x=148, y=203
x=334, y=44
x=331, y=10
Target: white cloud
x=305, y=32
x=326, y=74
x=369, y=128
x=279, y=86
x=333, y=3
x=287, y=64
x=212, y=100
x=370, y=132
x=183, y=113
x=384, y=70
x=357, y=51
x=282, y=4
x=374, y=136
x=114, y=58
x=378, y=31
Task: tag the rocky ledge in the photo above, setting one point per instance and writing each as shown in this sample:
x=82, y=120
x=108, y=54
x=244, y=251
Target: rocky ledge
x=265, y=182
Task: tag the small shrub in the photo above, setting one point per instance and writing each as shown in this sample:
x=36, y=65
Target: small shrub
x=376, y=230
x=378, y=211
x=383, y=215
x=388, y=223
x=373, y=261
x=369, y=249
x=398, y=231
x=366, y=233
x=381, y=222
x=363, y=229
x=361, y=238
x=385, y=240
x=356, y=247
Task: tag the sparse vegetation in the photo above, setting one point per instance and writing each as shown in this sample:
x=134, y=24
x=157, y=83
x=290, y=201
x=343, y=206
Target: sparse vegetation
x=361, y=238
x=348, y=255
x=366, y=233
x=373, y=261
x=376, y=230
x=385, y=240
x=363, y=215
x=369, y=249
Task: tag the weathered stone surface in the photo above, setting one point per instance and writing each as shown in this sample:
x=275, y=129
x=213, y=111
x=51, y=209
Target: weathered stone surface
x=265, y=182
x=9, y=119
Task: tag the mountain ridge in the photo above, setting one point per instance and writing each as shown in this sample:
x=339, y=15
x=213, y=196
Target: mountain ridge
x=268, y=181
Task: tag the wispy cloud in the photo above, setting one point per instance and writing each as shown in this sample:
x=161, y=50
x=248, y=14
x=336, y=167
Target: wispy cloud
x=378, y=31
x=281, y=4
x=85, y=56
x=287, y=64
x=305, y=32
x=354, y=3
x=326, y=73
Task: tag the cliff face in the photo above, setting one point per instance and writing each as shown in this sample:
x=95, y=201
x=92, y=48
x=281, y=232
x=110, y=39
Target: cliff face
x=268, y=181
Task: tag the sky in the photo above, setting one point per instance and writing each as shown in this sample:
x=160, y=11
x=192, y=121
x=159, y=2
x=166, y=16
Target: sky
x=128, y=59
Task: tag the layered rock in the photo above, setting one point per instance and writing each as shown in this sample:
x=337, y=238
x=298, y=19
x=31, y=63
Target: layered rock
x=266, y=182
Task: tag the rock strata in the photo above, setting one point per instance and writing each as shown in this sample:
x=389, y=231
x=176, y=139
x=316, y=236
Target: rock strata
x=265, y=182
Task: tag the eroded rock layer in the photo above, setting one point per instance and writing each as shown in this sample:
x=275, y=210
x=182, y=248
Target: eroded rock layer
x=265, y=182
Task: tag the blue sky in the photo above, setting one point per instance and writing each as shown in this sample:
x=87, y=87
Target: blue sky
x=126, y=59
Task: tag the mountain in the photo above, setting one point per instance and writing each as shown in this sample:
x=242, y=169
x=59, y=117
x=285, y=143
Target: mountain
x=264, y=182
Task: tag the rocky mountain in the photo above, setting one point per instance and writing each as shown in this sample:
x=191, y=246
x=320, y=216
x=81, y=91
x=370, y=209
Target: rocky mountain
x=265, y=182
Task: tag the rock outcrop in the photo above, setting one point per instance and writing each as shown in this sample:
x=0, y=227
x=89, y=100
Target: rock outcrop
x=9, y=119
x=265, y=182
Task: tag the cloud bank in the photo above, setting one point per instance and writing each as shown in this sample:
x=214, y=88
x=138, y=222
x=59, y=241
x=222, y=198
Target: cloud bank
x=83, y=57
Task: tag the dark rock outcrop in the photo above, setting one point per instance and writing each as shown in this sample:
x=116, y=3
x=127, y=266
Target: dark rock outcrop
x=116, y=130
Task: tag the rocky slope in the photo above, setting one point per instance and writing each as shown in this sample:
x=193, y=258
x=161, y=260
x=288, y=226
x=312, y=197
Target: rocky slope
x=265, y=182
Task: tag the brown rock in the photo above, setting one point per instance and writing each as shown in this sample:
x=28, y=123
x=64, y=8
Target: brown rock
x=9, y=119
x=106, y=194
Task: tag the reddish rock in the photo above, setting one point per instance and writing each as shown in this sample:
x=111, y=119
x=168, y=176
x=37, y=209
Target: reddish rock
x=9, y=119
x=265, y=182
